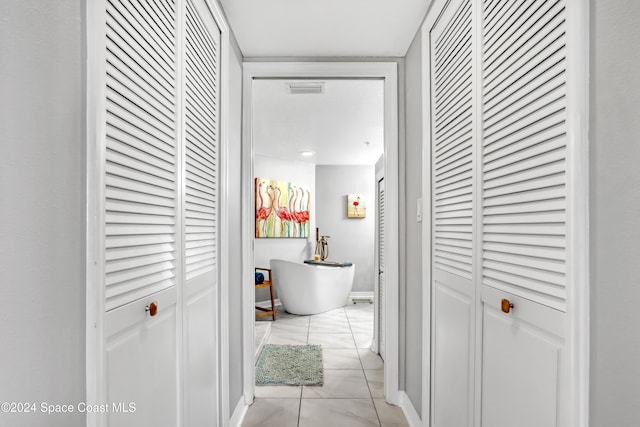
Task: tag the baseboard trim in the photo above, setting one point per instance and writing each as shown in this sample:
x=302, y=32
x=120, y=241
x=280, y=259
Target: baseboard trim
x=409, y=411
x=358, y=296
x=267, y=303
x=361, y=297
x=238, y=413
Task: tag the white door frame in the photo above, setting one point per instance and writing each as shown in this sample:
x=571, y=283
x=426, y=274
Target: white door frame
x=374, y=70
x=578, y=303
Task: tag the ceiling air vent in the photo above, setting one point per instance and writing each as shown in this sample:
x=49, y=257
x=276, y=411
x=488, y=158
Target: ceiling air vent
x=299, y=88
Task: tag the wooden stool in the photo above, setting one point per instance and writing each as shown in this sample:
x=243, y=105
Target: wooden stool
x=265, y=284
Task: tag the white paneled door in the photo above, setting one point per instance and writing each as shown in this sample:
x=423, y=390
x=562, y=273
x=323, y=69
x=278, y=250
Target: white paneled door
x=141, y=213
x=160, y=209
x=524, y=207
x=498, y=122
x=453, y=144
x=201, y=115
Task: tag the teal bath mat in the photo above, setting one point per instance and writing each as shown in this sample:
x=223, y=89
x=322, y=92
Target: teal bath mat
x=290, y=365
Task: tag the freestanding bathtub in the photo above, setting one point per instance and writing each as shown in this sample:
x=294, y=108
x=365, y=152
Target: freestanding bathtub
x=311, y=289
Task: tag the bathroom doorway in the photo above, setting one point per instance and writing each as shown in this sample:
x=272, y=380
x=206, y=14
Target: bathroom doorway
x=318, y=140
x=273, y=143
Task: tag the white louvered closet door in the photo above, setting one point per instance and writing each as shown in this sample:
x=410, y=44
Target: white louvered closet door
x=453, y=145
x=141, y=211
x=201, y=137
x=524, y=212
x=160, y=211
x=499, y=189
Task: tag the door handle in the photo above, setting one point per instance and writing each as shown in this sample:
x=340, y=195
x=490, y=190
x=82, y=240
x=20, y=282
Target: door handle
x=152, y=308
x=506, y=305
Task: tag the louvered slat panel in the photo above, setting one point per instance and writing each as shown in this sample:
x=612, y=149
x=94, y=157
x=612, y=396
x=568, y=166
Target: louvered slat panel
x=127, y=49
x=453, y=145
x=381, y=268
x=527, y=240
x=527, y=197
x=138, y=157
x=140, y=181
x=139, y=251
x=535, y=206
x=540, y=252
x=452, y=248
x=131, y=72
x=381, y=225
x=500, y=10
x=504, y=45
x=544, y=153
x=201, y=112
x=524, y=157
x=123, y=14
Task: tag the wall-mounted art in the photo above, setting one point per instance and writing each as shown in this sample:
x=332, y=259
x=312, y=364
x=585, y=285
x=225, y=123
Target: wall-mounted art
x=282, y=209
x=356, y=206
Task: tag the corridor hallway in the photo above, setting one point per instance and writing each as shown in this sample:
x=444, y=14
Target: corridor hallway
x=352, y=394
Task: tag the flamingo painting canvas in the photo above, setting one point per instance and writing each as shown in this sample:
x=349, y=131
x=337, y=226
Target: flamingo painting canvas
x=356, y=206
x=282, y=209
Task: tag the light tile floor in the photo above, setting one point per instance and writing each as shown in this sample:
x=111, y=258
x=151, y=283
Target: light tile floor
x=352, y=394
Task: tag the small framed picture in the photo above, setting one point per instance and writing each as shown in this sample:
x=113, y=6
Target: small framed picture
x=356, y=206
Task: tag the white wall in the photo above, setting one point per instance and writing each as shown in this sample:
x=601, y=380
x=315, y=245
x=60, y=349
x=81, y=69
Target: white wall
x=42, y=193
x=291, y=249
x=235, y=225
x=411, y=283
x=615, y=213
x=352, y=239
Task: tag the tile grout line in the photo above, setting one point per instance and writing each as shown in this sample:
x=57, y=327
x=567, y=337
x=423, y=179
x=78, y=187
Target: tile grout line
x=300, y=407
x=302, y=387
x=366, y=380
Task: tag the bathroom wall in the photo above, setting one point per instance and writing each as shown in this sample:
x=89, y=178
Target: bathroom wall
x=352, y=239
x=297, y=249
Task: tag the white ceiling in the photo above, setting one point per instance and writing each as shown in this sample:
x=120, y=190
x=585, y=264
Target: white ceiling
x=325, y=28
x=335, y=125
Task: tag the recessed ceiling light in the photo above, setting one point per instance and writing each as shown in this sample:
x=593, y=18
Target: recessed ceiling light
x=299, y=88
x=307, y=153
